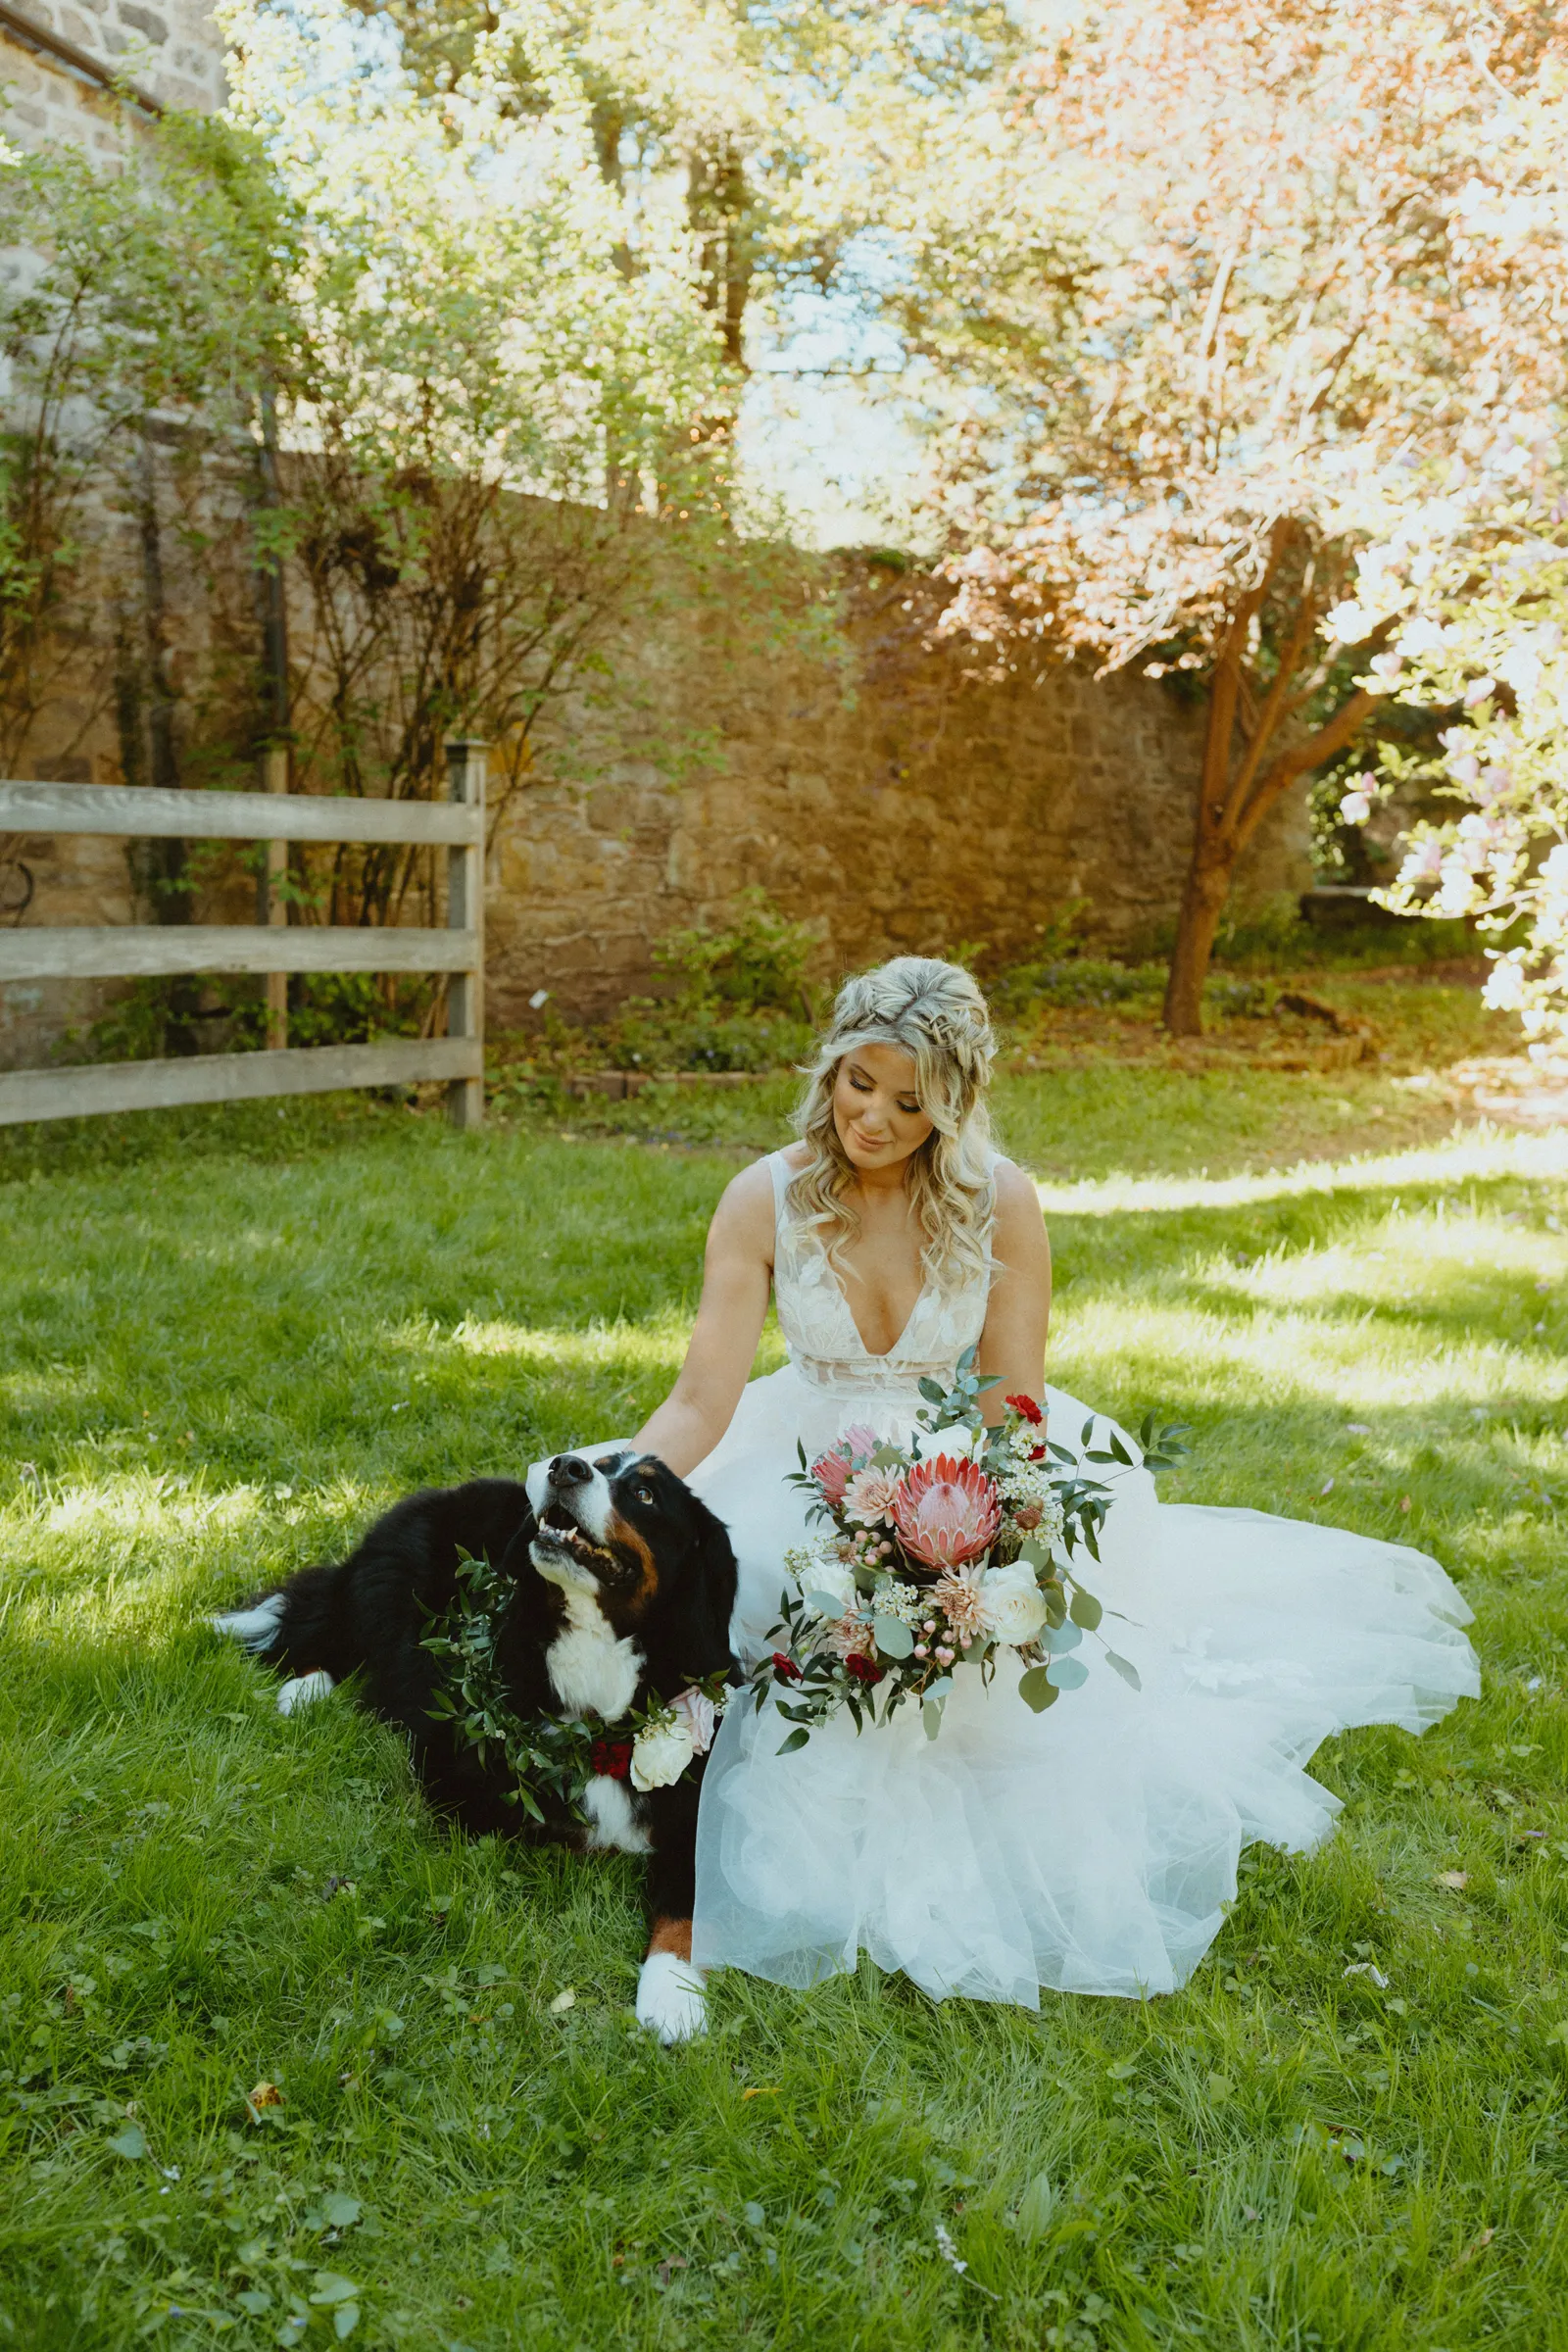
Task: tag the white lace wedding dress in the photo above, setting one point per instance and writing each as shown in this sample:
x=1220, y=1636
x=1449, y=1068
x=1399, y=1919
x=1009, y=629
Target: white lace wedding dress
x=1092, y=1849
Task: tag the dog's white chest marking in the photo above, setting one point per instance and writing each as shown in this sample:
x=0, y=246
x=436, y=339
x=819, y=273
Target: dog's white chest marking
x=612, y=1822
x=593, y=1670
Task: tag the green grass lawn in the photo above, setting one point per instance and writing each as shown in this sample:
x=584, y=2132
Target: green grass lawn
x=231, y=1338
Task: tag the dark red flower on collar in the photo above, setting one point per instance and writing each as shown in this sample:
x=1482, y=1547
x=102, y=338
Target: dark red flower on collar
x=863, y=1670
x=1027, y=1408
x=785, y=1667
x=612, y=1759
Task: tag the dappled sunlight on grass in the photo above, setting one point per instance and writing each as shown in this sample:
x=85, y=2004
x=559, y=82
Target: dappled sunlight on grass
x=216, y=1371
x=1472, y=1153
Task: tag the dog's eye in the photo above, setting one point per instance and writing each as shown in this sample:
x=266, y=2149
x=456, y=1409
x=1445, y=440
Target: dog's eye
x=643, y=1493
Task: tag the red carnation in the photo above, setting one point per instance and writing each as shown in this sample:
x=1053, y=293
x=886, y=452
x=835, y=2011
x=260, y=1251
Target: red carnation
x=785, y=1668
x=1027, y=1408
x=863, y=1670
x=1037, y=1454
x=612, y=1759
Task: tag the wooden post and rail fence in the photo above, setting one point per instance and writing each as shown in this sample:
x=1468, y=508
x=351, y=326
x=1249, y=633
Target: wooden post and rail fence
x=273, y=946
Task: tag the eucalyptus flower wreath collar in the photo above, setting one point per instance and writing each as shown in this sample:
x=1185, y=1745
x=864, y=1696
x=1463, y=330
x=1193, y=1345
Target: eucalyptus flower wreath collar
x=552, y=1758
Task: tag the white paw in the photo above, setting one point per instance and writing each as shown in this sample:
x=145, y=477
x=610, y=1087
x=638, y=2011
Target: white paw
x=669, y=1998
x=304, y=1690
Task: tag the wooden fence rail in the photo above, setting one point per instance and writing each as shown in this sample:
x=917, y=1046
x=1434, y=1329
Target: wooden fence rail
x=146, y=951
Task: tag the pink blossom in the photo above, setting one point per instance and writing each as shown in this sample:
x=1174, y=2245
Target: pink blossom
x=945, y=1513
x=831, y=1471
x=860, y=1440
x=869, y=1497
x=698, y=1714
x=851, y=1638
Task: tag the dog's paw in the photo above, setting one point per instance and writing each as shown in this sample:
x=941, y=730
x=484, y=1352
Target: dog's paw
x=304, y=1690
x=669, y=1998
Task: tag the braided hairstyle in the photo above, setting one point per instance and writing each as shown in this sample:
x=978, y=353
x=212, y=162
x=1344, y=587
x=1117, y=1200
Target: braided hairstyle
x=934, y=1013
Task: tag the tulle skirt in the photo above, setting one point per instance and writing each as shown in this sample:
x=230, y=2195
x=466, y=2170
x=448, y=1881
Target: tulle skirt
x=1092, y=1849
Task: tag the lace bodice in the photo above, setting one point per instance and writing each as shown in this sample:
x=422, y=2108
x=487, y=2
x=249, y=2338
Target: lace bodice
x=827, y=1348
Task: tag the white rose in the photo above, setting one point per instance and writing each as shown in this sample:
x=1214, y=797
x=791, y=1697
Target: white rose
x=1011, y=1603
x=660, y=1753
x=958, y=1442
x=825, y=1573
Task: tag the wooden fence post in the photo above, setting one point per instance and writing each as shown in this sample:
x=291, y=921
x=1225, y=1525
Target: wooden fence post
x=274, y=907
x=465, y=768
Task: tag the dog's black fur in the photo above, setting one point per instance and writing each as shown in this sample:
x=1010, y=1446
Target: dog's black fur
x=663, y=1580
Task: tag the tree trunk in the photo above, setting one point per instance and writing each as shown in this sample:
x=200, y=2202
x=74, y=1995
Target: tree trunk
x=1203, y=896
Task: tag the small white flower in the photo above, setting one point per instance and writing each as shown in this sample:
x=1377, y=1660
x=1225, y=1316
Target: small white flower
x=1011, y=1603
x=904, y=1601
x=660, y=1753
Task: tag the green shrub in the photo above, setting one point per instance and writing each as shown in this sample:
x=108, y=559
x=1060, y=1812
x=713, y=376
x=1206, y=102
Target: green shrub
x=761, y=962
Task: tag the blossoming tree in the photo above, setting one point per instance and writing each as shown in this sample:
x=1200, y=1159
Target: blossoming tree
x=1204, y=272
x=1474, y=569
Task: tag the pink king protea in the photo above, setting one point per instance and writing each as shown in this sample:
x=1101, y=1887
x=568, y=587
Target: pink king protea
x=831, y=1470
x=945, y=1513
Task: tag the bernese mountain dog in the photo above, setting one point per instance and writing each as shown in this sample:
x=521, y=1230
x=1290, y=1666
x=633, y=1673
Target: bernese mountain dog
x=623, y=1584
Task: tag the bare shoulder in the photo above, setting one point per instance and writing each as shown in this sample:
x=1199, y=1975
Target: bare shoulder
x=743, y=1221
x=1019, y=1224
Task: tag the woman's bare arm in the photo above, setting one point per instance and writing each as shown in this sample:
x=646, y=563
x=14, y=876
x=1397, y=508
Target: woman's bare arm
x=1018, y=1316
x=737, y=1270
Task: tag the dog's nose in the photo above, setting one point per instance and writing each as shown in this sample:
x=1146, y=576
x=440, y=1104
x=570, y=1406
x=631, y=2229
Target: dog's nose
x=570, y=1470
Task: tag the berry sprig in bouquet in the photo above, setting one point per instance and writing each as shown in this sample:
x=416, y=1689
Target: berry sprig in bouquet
x=953, y=1549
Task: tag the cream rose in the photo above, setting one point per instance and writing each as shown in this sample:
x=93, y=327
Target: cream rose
x=958, y=1442
x=660, y=1753
x=1011, y=1603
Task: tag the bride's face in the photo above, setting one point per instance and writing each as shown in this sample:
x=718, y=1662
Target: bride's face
x=875, y=1108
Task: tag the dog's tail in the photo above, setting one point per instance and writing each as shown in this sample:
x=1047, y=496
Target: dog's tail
x=301, y=1630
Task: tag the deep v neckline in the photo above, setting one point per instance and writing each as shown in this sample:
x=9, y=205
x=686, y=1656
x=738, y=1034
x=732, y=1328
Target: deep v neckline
x=876, y=1356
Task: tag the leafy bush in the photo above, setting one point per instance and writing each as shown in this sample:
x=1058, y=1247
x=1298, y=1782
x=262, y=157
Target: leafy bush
x=761, y=962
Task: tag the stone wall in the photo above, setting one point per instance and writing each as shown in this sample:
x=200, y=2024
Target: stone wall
x=909, y=803
x=896, y=799
x=169, y=48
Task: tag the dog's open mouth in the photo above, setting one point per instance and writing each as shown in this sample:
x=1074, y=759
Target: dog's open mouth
x=557, y=1524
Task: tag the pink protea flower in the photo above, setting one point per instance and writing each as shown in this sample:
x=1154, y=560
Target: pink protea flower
x=831, y=1471
x=870, y=1495
x=945, y=1513
x=958, y=1594
x=858, y=1439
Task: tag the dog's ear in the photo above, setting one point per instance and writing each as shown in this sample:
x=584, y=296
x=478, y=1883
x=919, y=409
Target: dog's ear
x=710, y=1591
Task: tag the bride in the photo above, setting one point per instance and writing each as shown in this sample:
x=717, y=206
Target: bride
x=1092, y=1849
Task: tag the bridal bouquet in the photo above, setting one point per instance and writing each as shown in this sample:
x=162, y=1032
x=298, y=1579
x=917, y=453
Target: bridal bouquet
x=952, y=1549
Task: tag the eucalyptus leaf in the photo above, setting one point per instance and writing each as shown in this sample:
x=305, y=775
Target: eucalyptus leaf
x=795, y=1740
x=940, y=1688
x=1036, y=1554
x=894, y=1638
x=1125, y=1668
x=931, y=1717
x=886, y=1458
x=823, y=1604
x=1067, y=1674
x=932, y=1391
x=1088, y=1432
x=1086, y=1609
x=1037, y=1690
x=1059, y=1639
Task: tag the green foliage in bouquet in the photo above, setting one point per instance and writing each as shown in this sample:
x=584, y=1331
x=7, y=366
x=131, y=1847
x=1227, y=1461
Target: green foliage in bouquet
x=943, y=1552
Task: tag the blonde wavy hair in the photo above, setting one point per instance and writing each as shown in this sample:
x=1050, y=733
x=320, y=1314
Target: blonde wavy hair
x=934, y=1013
